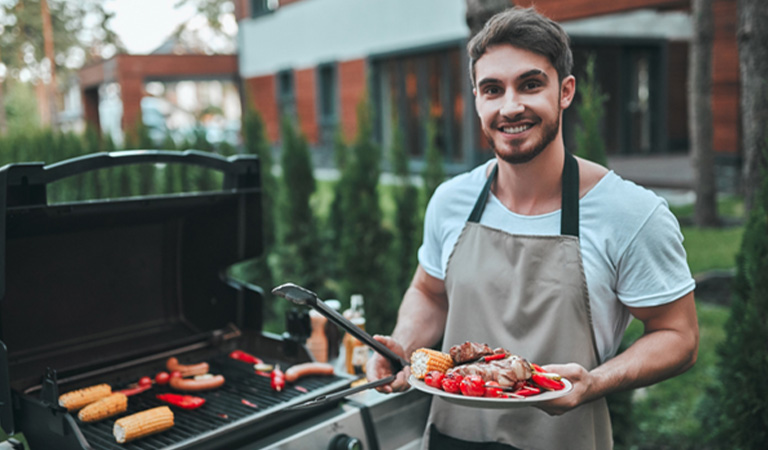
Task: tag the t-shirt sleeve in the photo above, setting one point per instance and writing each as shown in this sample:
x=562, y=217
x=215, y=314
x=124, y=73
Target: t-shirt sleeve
x=430, y=252
x=653, y=269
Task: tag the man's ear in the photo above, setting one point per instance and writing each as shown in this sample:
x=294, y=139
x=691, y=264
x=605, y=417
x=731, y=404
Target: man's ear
x=567, y=91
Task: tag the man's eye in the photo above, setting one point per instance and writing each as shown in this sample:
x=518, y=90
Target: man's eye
x=531, y=85
x=492, y=90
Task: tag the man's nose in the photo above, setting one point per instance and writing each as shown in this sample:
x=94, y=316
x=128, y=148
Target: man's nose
x=511, y=105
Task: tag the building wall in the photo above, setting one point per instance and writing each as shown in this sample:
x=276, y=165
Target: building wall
x=351, y=33
x=262, y=93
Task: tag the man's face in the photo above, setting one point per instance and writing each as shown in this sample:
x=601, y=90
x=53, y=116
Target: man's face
x=519, y=100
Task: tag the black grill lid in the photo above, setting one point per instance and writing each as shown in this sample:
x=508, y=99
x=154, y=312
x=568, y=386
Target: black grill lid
x=93, y=283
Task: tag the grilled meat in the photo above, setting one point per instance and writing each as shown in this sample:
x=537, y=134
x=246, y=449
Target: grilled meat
x=469, y=351
x=511, y=371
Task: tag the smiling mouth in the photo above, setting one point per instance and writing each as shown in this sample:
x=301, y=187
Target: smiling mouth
x=517, y=129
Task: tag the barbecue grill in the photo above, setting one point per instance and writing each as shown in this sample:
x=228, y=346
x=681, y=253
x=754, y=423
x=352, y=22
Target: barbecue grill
x=104, y=291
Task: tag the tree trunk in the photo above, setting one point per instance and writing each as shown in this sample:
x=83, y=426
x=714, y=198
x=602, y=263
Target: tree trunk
x=50, y=55
x=700, y=113
x=753, y=65
x=479, y=11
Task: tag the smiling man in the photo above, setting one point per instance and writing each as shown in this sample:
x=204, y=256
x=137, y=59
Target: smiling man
x=544, y=254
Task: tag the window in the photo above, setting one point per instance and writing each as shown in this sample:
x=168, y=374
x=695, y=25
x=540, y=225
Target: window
x=262, y=7
x=286, y=96
x=327, y=102
x=411, y=90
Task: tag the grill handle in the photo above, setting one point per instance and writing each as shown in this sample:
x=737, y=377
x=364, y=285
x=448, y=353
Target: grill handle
x=240, y=171
x=303, y=296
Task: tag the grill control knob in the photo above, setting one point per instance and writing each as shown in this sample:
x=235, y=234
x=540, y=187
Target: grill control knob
x=344, y=442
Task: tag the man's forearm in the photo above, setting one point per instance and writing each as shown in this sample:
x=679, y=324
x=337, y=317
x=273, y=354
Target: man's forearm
x=420, y=320
x=654, y=357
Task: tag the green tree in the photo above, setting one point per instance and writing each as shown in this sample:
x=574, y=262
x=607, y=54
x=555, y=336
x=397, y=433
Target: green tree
x=335, y=220
x=740, y=397
x=256, y=143
x=433, y=174
x=364, y=242
x=589, y=139
x=407, y=214
x=297, y=235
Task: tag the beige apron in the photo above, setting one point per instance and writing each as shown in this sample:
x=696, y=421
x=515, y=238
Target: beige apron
x=527, y=294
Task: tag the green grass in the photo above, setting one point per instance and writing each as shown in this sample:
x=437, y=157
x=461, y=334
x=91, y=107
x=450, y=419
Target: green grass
x=713, y=248
x=664, y=414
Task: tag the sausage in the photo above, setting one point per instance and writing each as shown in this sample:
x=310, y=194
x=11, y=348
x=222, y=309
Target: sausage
x=306, y=369
x=194, y=385
x=186, y=370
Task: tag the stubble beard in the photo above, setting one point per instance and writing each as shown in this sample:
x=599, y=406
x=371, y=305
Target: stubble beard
x=549, y=133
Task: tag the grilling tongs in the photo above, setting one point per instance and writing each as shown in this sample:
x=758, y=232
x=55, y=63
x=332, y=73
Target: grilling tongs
x=303, y=296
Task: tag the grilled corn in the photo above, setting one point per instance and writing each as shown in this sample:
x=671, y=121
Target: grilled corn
x=75, y=400
x=142, y=424
x=425, y=360
x=106, y=407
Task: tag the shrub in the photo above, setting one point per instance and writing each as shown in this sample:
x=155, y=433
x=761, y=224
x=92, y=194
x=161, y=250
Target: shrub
x=589, y=139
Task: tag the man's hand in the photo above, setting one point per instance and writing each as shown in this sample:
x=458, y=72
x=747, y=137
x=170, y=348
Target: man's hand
x=581, y=380
x=379, y=367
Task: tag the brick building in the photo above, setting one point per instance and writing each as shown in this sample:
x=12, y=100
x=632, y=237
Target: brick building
x=317, y=59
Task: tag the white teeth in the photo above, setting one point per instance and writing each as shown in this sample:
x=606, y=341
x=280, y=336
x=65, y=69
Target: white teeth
x=515, y=130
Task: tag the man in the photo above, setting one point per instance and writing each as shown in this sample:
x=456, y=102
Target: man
x=546, y=255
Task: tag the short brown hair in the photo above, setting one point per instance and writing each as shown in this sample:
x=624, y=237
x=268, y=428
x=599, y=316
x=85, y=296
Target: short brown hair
x=526, y=29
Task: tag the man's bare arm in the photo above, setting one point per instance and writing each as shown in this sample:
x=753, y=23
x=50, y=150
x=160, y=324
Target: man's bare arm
x=668, y=347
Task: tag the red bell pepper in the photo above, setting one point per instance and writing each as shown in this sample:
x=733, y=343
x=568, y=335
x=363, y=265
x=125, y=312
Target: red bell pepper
x=277, y=379
x=138, y=389
x=547, y=382
x=495, y=357
x=527, y=391
x=182, y=401
x=245, y=357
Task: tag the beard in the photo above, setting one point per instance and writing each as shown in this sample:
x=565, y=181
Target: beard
x=548, y=134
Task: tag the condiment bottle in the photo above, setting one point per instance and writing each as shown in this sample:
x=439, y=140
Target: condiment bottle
x=317, y=342
x=356, y=351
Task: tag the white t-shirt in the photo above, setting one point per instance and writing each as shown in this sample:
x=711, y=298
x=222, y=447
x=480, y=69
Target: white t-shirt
x=631, y=245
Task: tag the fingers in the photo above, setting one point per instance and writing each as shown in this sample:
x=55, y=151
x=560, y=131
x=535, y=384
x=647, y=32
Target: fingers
x=379, y=367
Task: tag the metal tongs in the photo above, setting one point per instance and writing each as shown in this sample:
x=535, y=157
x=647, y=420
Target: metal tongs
x=303, y=296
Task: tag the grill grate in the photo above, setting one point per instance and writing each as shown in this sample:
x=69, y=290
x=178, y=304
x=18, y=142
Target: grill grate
x=246, y=396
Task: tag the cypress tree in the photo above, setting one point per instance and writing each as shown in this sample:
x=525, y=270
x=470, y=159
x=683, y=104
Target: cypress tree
x=740, y=420
x=589, y=139
x=297, y=235
x=335, y=220
x=407, y=214
x=364, y=242
x=255, y=143
x=433, y=169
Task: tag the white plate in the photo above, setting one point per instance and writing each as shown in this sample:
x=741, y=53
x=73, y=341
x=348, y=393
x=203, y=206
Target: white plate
x=490, y=402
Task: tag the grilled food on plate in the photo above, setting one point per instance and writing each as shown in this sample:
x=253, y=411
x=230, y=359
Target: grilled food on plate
x=474, y=369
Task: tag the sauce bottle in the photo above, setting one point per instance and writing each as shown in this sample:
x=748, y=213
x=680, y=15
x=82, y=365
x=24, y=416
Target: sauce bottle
x=356, y=352
x=317, y=342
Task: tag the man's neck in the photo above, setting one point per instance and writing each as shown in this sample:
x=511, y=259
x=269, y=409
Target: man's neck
x=535, y=187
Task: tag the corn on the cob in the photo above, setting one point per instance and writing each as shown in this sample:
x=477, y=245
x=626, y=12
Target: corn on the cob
x=106, y=407
x=142, y=424
x=425, y=360
x=75, y=400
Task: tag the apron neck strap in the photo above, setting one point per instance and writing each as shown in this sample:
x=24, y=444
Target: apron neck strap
x=569, y=218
